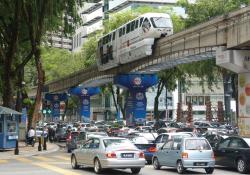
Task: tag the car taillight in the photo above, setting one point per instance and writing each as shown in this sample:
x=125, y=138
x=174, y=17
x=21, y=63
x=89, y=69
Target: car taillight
x=184, y=155
x=213, y=156
x=141, y=155
x=111, y=155
x=152, y=149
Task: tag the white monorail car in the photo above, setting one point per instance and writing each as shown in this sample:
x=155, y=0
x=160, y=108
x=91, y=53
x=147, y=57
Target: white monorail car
x=133, y=40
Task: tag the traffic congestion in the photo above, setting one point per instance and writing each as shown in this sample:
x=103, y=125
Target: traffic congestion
x=105, y=145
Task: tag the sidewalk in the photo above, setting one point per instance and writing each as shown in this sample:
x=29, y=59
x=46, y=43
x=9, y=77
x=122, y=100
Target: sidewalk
x=27, y=151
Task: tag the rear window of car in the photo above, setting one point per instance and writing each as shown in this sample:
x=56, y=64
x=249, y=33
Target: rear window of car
x=197, y=144
x=114, y=143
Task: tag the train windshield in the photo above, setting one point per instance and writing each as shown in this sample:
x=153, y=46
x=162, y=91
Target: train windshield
x=160, y=22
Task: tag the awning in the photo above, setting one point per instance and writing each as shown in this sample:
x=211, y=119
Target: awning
x=4, y=110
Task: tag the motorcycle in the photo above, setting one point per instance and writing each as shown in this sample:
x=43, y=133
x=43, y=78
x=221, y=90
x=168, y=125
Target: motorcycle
x=30, y=141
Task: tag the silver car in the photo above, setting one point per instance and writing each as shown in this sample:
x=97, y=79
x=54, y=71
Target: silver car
x=108, y=152
x=186, y=152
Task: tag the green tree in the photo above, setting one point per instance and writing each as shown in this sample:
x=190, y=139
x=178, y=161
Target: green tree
x=202, y=11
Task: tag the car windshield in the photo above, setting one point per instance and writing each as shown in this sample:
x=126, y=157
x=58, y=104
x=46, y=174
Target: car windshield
x=247, y=140
x=197, y=144
x=79, y=136
x=160, y=22
x=139, y=140
x=118, y=143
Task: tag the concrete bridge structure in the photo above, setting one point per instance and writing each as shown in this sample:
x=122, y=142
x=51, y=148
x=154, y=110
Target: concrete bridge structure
x=194, y=44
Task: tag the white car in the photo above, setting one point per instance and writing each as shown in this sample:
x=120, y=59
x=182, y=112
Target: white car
x=108, y=153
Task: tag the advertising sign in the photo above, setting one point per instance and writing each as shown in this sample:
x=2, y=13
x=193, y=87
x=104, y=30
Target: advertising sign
x=129, y=111
x=244, y=104
x=56, y=108
x=85, y=109
x=139, y=106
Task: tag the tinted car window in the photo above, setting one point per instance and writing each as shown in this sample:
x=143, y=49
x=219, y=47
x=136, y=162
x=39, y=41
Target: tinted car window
x=224, y=144
x=197, y=144
x=158, y=139
x=112, y=143
x=237, y=143
x=164, y=138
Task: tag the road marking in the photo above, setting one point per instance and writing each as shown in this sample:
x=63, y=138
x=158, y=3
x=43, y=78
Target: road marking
x=3, y=161
x=25, y=160
x=62, y=158
x=46, y=159
x=54, y=168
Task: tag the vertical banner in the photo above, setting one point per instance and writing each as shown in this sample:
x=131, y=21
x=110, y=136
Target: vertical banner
x=85, y=109
x=24, y=116
x=129, y=111
x=56, y=110
x=244, y=104
x=139, y=105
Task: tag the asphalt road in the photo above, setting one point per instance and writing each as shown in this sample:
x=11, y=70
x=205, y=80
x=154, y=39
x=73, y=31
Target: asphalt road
x=58, y=163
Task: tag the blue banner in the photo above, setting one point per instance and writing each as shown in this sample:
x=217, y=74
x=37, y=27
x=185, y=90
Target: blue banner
x=139, y=105
x=56, y=108
x=136, y=81
x=129, y=111
x=56, y=97
x=85, y=108
x=24, y=116
x=85, y=94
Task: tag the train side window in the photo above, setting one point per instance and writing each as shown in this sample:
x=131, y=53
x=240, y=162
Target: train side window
x=110, y=37
x=120, y=32
x=128, y=28
x=113, y=36
x=132, y=25
x=141, y=20
x=123, y=31
x=136, y=24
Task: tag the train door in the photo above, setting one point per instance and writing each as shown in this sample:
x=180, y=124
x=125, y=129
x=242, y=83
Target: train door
x=146, y=26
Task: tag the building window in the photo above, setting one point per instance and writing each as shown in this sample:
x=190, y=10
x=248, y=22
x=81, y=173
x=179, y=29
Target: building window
x=188, y=99
x=11, y=127
x=128, y=28
x=207, y=99
x=194, y=100
x=201, y=100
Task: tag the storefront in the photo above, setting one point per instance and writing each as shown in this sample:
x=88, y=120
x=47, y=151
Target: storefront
x=8, y=127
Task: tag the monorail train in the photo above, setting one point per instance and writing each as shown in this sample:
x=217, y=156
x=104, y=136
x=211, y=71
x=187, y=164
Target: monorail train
x=133, y=40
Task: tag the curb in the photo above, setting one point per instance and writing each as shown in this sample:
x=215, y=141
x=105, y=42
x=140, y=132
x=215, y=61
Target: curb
x=32, y=154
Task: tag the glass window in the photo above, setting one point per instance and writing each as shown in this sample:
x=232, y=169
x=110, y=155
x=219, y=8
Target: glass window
x=158, y=139
x=141, y=20
x=168, y=144
x=136, y=24
x=123, y=30
x=201, y=100
x=120, y=32
x=118, y=143
x=197, y=144
x=237, y=143
x=128, y=28
x=194, y=100
x=188, y=99
x=1, y=127
x=160, y=22
x=132, y=25
x=164, y=138
x=224, y=144
x=146, y=25
x=11, y=127
x=113, y=36
x=207, y=99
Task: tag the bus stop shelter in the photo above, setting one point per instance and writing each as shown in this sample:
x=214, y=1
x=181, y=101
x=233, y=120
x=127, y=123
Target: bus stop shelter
x=9, y=130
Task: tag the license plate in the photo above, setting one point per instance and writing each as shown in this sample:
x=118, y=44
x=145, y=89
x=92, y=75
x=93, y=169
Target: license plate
x=127, y=155
x=200, y=164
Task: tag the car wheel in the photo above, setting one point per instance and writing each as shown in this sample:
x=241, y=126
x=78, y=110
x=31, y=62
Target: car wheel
x=97, y=166
x=156, y=164
x=179, y=167
x=241, y=166
x=209, y=170
x=135, y=170
x=74, y=162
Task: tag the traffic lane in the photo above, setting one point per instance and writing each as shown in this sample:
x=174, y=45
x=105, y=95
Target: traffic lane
x=148, y=170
